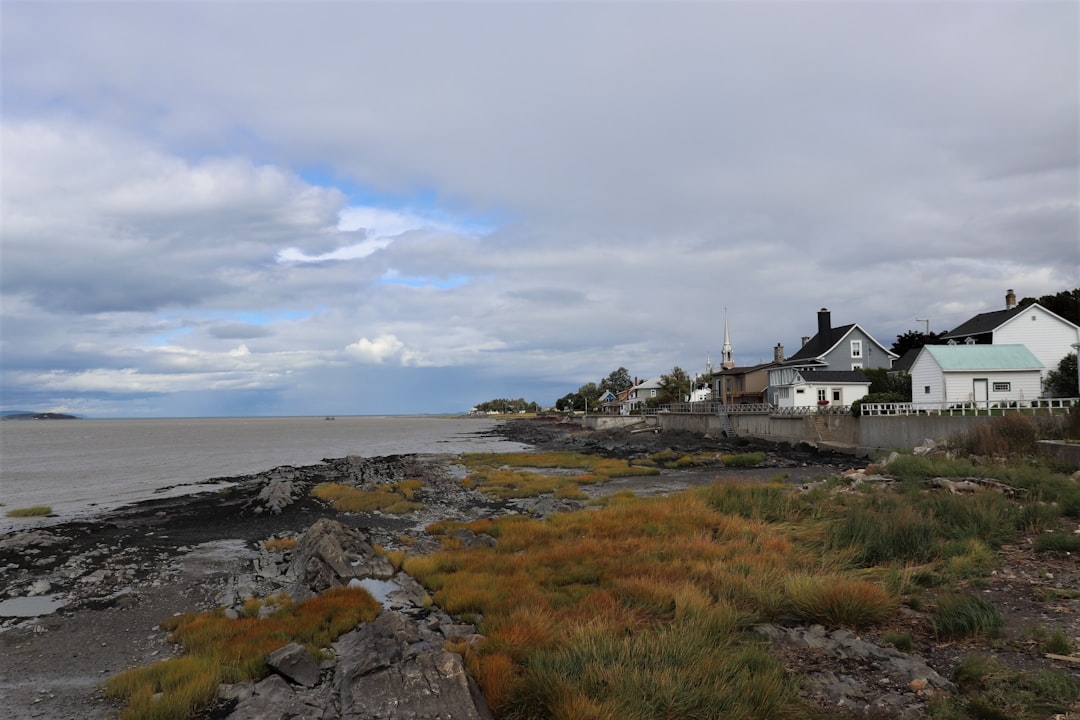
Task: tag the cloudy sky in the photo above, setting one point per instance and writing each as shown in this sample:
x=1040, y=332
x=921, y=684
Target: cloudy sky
x=292, y=208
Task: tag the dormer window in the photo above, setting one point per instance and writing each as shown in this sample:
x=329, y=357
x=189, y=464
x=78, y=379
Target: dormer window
x=856, y=348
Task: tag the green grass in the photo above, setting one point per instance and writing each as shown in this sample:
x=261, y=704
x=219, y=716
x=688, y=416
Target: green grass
x=1057, y=542
x=962, y=616
x=35, y=511
x=990, y=690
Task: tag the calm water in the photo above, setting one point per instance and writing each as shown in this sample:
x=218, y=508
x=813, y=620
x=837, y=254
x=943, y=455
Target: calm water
x=80, y=467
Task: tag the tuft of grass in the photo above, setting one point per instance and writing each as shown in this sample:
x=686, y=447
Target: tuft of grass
x=769, y=502
x=280, y=544
x=990, y=689
x=743, y=459
x=218, y=649
x=900, y=641
x=961, y=616
x=1055, y=641
x=35, y=511
x=1057, y=542
x=838, y=601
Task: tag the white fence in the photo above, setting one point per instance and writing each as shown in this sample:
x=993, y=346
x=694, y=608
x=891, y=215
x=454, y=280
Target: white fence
x=1034, y=407
x=1045, y=406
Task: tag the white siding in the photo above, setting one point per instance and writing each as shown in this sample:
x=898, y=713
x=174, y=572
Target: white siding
x=1048, y=337
x=1023, y=385
x=926, y=372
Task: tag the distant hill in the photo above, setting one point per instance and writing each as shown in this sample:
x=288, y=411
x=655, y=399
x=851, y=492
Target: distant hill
x=24, y=415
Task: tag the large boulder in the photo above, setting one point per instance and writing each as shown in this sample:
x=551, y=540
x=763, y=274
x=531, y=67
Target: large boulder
x=383, y=673
x=330, y=554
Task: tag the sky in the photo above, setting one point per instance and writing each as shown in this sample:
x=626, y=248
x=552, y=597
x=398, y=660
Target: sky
x=309, y=208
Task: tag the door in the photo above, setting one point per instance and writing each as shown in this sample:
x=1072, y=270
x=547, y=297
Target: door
x=981, y=392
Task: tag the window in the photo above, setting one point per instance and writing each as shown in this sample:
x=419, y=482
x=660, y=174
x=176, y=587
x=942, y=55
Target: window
x=821, y=395
x=1002, y=387
x=652, y=393
x=926, y=389
x=800, y=391
x=856, y=348
x=856, y=366
x=836, y=396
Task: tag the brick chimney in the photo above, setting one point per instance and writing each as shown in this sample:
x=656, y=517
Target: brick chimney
x=778, y=353
x=824, y=322
x=1010, y=299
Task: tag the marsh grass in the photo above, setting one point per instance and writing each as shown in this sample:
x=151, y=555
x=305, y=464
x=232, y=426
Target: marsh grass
x=393, y=499
x=276, y=545
x=515, y=475
x=638, y=609
x=35, y=511
x=218, y=649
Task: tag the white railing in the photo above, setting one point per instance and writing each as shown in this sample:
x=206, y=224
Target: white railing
x=1049, y=406
x=708, y=408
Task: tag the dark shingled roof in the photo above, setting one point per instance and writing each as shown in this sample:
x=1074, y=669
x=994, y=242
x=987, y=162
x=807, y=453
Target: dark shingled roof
x=983, y=323
x=820, y=344
x=850, y=376
x=906, y=361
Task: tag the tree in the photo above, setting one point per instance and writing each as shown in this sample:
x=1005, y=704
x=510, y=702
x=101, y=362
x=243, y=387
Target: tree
x=883, y=382
x=1062, y=381
x=675, y=386
x=913, y=339
x=616, y=381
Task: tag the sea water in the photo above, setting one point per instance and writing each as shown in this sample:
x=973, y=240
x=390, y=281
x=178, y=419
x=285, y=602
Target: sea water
x=82, y=467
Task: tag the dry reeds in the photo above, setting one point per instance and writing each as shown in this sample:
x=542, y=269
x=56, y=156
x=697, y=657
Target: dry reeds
x=393, y=499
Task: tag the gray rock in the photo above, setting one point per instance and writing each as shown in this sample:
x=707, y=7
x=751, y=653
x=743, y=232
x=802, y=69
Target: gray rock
x=274, y=699
x=329, y=554
x=385, y=673
x=295, y=663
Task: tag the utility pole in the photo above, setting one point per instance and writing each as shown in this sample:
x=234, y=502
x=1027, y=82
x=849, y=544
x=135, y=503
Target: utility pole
x=927, y=321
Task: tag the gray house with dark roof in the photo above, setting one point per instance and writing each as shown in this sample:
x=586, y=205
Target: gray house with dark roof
x=845, y=349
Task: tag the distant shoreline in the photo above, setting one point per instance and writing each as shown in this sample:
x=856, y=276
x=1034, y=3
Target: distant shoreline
x=39, y=416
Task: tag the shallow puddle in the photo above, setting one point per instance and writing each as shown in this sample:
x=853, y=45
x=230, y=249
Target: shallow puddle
x=379, y=589
x=31, y=606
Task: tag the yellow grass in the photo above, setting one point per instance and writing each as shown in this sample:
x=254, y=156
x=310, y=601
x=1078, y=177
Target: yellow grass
x=516, y=475
x=389, y=498
x=280, y=544
x=35, y=511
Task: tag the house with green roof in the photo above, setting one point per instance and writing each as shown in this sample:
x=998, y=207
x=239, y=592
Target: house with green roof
x=981, y=374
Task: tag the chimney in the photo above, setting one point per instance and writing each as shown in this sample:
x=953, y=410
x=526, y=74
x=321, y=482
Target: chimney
x=1010, y=299
x=805, y=339
x=824, y=322
x=778, y=353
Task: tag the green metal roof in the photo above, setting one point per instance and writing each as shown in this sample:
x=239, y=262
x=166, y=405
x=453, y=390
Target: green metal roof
x=983, y=357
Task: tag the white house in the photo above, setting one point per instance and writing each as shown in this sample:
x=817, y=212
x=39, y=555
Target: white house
x=1047, y=335
x=822, y=388
x=982, y=374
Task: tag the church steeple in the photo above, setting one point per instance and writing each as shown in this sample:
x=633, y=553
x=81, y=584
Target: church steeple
x=727, y=359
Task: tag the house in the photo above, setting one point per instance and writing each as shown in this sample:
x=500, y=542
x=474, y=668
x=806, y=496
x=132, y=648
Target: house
x=1047, y=335
x=980, y=374
x=636, y=396
x=821, y=388
x=842, y=349
x=745, y=385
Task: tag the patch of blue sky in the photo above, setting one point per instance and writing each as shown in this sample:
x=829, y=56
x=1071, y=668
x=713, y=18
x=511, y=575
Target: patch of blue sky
x=166, y=338
x=422, y=203
x=251, y=317
x=413, y=281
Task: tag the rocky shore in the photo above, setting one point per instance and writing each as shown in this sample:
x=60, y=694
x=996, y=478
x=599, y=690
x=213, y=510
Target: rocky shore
x=110, y=582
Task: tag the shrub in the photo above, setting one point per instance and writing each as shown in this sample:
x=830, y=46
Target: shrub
x=882, y=397
x=1006, y=435
x=35, y=511
x=960, y=616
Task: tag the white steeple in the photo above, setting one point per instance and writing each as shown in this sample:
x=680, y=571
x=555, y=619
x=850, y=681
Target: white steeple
x=727, y=360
